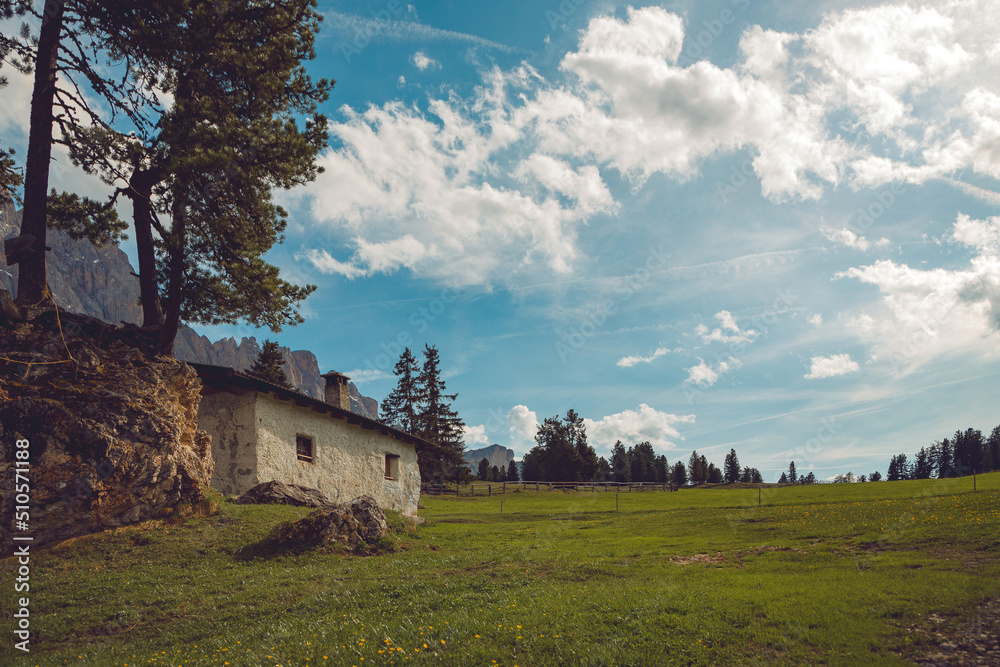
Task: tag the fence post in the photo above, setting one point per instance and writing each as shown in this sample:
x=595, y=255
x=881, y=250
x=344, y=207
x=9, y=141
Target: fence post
x=489, y=490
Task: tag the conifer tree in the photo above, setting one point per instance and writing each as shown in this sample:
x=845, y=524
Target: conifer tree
x=497, y=475
x=793, y=476
x=400, y=408
x=678, y=474
x=437, y=422
x=621, y=467
x=76, y=50
x=731, y=467
x=512, y=474
x=783, y=479
x=483, y=471
x=269, y=364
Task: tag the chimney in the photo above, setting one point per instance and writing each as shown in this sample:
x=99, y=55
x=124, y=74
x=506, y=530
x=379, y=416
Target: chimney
x=337, y=393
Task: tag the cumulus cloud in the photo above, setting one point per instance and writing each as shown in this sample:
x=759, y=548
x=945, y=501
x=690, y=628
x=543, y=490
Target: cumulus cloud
x=935, y=311
x=832, y=366
x=729, y=332
x=522, y=423
x=848, y=238
x=632, y=426
x=498, y=184
x=424, y=62
x=816, y=320
x=628, y=362
x=706, y=375
x=475, y=435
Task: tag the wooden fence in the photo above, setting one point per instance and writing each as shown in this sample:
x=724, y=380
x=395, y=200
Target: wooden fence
x=499, y=488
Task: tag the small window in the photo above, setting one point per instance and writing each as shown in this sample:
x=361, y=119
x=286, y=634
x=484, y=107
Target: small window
x=304, y=448
x=391, y=466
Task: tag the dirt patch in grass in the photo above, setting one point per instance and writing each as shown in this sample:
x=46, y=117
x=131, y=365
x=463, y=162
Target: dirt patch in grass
x=973, y=642
x=704, y=559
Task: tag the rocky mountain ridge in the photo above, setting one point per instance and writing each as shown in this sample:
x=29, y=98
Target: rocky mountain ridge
x=495, y=454
x=100, y=282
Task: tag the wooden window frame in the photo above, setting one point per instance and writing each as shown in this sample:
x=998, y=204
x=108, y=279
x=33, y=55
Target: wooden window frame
x=391, y=466
x=305, y=458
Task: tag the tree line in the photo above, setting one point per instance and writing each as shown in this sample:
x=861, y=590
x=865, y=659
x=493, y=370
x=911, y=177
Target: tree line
x=487, y=473
x=965, y=453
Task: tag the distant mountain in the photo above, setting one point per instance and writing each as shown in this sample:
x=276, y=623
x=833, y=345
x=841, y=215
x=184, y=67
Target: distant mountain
x=495, y=454
x=100, y=282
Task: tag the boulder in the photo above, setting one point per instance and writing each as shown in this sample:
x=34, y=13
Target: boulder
x=112, y=431
x=284, y=494
x=344, y=523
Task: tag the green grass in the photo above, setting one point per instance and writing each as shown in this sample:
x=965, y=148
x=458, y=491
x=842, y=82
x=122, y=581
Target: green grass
x=828, y=574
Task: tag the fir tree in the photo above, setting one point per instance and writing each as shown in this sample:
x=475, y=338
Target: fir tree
x=621, y=468
x=731, y=467
x=793, y=476
x=678, y=474
x=437, y=422
x=484, y=469
x=400, y=407
x=268, y=365
x=512, y=474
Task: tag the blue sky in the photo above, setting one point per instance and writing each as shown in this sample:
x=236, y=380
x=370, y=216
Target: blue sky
x=768, y=226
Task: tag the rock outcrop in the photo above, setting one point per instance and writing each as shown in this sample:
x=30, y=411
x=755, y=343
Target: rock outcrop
x=284, y=494
x=360, y=519
x=113, y=434
x=497, y=456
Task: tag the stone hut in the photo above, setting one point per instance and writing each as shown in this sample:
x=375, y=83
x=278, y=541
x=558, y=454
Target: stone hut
x=263, y=432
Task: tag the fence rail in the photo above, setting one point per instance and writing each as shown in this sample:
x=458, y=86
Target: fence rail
x=499, y=488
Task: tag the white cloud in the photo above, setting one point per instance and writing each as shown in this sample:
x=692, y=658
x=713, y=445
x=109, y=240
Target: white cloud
x=816, y=320
x=936, y=311
x=848, y=238
x=729, y=332
x=832, y=366
x=499, y=184
x=628, y=362
x=325, y=263
x=424, y=62
x=523, y=423
x=633, y=426
x=475, y=435
x=706, y=375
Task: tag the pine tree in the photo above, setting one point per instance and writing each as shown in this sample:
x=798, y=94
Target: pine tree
x=731, y=467
x=714, y=474
x=76, y=53
x=229, y=140
x=497, y=475
x=438, y=423
x=484, y=469
x=643, y=462
x=697, y=469
x=512, y=474
x=678, y=474
x=561, y=452
x=269, y=364
x=946, y=460
x=793, y=476
x=923, y=466
x=875, y=476
x=400, y=407
x=662, y=469
x=621, y=467
x=783, y=479
x=993, y=443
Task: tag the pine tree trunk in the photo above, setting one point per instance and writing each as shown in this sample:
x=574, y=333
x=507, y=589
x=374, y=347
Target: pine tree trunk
x=31, y=274
x=172, y=315
x=141, y=193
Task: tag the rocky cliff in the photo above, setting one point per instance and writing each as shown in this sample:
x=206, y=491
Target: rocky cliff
x=100, y=282
x=495, y=454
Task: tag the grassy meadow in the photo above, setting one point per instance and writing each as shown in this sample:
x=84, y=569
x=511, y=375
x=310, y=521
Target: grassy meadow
x=823, y=574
